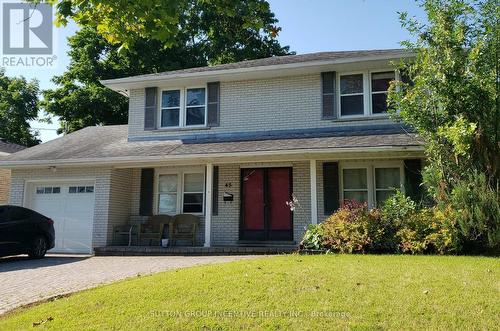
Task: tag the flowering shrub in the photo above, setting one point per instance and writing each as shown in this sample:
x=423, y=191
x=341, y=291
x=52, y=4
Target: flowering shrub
x=346, y=231
x=398, y=227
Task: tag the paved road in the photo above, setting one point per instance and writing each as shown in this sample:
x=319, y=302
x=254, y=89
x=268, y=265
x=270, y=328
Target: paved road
x=24, y=281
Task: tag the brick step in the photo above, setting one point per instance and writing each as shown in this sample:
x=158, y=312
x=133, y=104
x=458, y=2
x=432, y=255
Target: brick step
x=172, y=251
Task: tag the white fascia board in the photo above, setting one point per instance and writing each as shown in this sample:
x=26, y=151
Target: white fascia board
x=202, y=158
x=124, y=84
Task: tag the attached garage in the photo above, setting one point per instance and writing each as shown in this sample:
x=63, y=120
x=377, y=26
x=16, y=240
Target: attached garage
x=71, y=206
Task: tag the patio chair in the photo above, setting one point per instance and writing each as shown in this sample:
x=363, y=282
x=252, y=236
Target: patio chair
x=124, y=230
x=153, y=229
x=185, y=227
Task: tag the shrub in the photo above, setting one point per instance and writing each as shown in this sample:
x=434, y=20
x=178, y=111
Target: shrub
x=397, y=208
x=477, y=205
x=429, y=230
x=313, y=238
x=346, y=231
x=399, y=226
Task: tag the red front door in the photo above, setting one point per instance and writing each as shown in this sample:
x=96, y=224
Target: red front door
x=264, y=213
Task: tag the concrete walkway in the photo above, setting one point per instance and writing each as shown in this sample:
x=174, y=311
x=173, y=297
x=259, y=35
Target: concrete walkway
x=24, y=281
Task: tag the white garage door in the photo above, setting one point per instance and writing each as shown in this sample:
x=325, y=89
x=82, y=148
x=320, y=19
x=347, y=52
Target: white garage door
x=71, y=206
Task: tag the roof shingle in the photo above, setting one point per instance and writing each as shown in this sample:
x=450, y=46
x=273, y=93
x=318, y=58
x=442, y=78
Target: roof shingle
x=281, y=60
x=9, y=148
x=111, y=142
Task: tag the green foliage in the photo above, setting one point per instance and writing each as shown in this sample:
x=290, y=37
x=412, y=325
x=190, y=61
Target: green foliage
x=478, y=210
x=18, y=106
x=313, y=237
x=398, y=227
x=398, y=207
x=124, y=22
x=209, y=34
x=453, y=102
x=428, y=230
x=347, y=230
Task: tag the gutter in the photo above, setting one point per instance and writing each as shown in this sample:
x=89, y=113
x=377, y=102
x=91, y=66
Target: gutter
x=112, y=161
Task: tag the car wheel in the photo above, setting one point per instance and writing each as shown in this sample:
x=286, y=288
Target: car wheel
x=38, y=248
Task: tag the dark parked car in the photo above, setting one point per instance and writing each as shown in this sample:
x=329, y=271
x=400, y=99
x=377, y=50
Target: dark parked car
x=24, y=231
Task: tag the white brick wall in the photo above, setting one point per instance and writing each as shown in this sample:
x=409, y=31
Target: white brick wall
x=254, y=105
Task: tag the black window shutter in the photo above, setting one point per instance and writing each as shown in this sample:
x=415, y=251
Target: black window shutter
x=331, y=194
x=413, y=179
x=215, y=191
x=150, y=108
x=328, y=90
x=213, y=106
x=146, y=196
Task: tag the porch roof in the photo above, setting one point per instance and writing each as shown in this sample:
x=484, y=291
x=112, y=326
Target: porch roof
x=109, y=145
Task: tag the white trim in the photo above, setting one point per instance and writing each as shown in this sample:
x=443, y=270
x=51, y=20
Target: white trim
x=182, y=107
x=208, y=203
x=371, y=93
x=266, y=165
x=339, y=99
x=370, y=167
x=314, y=192
x=367, y=94
x=120, y=84
x=180, y=172
x=197, y=157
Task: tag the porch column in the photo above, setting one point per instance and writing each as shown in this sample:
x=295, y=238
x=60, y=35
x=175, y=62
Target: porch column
x=314, y=196
x=208, y=203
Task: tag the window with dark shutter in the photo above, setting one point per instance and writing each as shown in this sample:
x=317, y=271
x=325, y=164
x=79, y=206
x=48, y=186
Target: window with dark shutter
x=150, y=108
x=146, y=196
x=215, y=192
x=331, y=194
x=329, y=102
x=213, y=106
x=413, y=179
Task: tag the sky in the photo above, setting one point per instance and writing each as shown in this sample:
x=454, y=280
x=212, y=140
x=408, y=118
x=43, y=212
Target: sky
x=307, y=26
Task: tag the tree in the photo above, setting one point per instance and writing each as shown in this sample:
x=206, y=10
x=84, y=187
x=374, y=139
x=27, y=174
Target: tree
x=124, y=22
x=207, y=35
x=452, y=100
x=18, y=105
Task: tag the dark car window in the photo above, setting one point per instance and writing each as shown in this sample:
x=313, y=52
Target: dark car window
x=3, y=213
x=19, y=213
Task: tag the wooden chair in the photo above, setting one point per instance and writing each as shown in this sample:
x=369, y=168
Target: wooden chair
x=152, y=230
x=185, y=227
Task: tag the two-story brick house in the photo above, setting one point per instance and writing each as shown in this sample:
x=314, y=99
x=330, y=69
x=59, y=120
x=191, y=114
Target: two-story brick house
x=231, y=143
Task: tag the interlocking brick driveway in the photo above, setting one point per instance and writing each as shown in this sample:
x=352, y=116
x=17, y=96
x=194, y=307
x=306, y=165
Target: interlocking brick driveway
x=24, y=281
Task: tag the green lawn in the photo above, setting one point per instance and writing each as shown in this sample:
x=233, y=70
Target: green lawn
x=361, y=292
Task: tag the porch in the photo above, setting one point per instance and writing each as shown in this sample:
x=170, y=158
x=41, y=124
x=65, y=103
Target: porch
x=236, y=212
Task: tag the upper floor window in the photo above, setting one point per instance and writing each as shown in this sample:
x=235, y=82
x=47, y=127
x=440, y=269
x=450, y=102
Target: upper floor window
x=380, y=82
x=351, y=95
x=364, y=94
x=183, y=107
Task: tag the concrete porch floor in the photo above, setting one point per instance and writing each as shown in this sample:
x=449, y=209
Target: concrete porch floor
x=190, y=250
